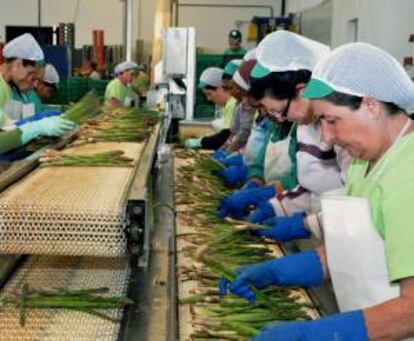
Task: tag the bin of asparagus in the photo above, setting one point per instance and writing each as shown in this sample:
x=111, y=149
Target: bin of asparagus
x=215, y=248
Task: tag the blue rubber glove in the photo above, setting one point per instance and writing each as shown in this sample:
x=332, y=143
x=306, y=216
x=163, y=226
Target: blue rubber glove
x=220, y=154
x=236, y=204
x=50, y=126
x=348, y=326
x=193, y=143
x=285, y=228
x=302, y=269
x=233, y=175
x=232, y=160
x=37, y=117
x=262, y=213
x=250, y=185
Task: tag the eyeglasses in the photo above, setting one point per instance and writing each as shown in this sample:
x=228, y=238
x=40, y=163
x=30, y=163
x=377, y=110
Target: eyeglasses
x=281, y=113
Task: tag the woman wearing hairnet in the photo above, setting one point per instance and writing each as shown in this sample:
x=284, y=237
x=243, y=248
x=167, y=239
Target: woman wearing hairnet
x=22, y=57
x=211, y=83
x=363, y=97
x=118, y=91
x=285, y=63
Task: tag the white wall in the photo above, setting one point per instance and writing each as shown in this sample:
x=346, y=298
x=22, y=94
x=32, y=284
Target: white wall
x=293, y=6
x=386, y=23
x=213, y=24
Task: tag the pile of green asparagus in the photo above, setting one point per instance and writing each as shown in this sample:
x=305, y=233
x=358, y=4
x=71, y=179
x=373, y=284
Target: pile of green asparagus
x=120, y=125
x=90, y=301
x=218, y=249
x=114, y=158
x=87, y=107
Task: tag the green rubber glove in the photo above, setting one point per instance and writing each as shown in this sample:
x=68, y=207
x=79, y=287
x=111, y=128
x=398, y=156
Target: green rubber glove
x=50, y=126
x=193, y=143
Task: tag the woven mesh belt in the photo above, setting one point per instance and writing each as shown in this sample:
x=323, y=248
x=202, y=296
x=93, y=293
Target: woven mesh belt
x=46, y=273
x=69, y=210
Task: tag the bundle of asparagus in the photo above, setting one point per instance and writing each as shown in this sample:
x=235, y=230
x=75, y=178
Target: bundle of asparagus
x=120, y=125
x=113, y=158
x=81, y=111
x=89, y=301
x=217, y=248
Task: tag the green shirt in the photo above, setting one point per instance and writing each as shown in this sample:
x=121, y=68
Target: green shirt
x=256, y=170
x=5, y=95
x=115, y=89
x=391, y=201
x=228, y=112
x=239, y=52
x=29, y=97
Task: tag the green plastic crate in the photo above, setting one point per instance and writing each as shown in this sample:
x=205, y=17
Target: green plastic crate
x=77, y=88
x=99, y=85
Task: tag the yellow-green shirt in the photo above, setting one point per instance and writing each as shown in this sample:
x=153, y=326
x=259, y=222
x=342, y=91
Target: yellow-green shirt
x=115, y=89
x=392, y=204
x=5, y=95
x=228, y=112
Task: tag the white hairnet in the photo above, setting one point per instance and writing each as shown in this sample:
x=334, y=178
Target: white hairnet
x=361, y=69
x=251, y=54
x=286, y=51
x=211, y=76
x=24, y=47
x=51, y=76
x=124, y=66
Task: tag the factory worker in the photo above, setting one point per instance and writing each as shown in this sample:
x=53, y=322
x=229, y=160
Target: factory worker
x=211, y=83
x=118, y=91
x=285, y=63
x=242, y=121
x=42, y=87
x=235, y=48
x=279, y=146
x=363, y=98
x=48, y=84
x=22, y=56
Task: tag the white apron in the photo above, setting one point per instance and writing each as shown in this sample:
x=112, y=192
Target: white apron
x=277, y=161
x=355, y=251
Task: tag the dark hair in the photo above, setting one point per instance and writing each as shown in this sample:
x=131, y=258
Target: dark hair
x=94, y=65
x=354, y=102
x=26, y=62
x=279, y=85
x=226, y=76
x=210, y=87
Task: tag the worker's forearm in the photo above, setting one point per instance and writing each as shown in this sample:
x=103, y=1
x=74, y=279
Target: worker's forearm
x=10, y=140
x=324, y=261
x=394, y=319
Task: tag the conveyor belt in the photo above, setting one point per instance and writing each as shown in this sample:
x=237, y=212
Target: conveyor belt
x=71, y=273
x=69, y=210
x=186, y=287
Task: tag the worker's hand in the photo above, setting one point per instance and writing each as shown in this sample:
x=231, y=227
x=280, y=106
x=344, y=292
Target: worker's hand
x=37, y=117
x=236, y=204
x=250, y=184
x=233, y=175
x=220, y=154
x=50, y=126
x=302, y=269
x=285, y=228
x=348, y=326
x=262, y=213
x=232, y=160
x=193, y=143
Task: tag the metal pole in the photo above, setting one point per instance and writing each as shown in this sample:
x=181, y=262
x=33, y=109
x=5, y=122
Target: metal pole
x=39, y=13
x=128, y=29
